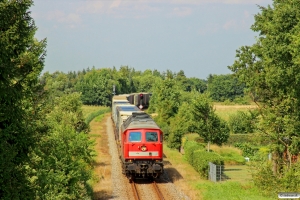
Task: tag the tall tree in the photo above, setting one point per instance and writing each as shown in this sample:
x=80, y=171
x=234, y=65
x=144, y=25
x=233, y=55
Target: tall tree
x=271, y=70
x=96, y=87
x=224, y=87
x=21, y=61
x=207, y=123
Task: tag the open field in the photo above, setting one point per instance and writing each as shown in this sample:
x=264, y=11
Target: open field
x=86, y=110
x=224, y=111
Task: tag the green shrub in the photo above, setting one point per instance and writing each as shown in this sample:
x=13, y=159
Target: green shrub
x=189, y=148
x=201, y=159
x=248, y=149
x=288, y=180
x=243, y=122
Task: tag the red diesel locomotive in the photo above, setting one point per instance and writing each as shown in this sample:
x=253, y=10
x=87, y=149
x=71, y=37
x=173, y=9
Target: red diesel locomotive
x=140, y=143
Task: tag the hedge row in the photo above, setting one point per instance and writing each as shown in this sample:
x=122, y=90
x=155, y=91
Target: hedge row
x=199, y=158
x=91, y=116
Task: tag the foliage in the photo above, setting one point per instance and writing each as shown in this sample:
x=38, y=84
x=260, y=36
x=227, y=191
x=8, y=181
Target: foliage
x=61, y=162
x=201, y=159
x=248, y=149
x=265, y=179
x=207, y=124
x=21, y=62
x=224, y=87
x=165, y=100
x=96, y=87
x=253, y=139
x=243, y=122
x=91, y=116
x=179, y=125
x=189, y=148
x=270, y=69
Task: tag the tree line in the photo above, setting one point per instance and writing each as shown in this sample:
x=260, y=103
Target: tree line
x=96, y=85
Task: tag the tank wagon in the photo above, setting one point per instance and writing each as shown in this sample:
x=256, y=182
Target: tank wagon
x=140, y=142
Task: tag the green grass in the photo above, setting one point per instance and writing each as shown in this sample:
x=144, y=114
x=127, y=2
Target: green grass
x=99, y=118
x=86, y=110
x=230, y=191
x=238, y=173
x=231, y=155
x=192, y=136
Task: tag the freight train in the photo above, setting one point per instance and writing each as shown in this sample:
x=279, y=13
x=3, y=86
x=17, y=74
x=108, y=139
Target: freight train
x=138, y=137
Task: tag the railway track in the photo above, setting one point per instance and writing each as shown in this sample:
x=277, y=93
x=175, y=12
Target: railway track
x=146, y=191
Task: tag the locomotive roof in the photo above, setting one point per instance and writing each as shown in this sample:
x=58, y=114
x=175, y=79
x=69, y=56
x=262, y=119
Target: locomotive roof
x=140, y=120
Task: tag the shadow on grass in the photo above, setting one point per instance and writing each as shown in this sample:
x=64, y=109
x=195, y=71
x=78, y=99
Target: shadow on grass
x=102, y=195
x=173, y=174
x=99, y=164
x=167, y=162
x=232, y=169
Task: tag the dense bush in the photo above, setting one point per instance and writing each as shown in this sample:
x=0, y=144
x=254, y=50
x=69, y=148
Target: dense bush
x=264, y=178
x=248, y=149
x=199, y=158
x=243, y=122
x=189, y=148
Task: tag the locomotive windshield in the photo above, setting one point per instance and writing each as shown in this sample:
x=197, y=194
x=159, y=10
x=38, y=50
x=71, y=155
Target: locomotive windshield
x=135, y=137
x=151, y=137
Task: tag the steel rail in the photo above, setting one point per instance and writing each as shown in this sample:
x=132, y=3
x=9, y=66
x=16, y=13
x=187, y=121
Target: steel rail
x=135, y=192
x=159, y=194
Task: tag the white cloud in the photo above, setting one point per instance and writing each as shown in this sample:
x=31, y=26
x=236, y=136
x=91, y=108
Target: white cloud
x=72, y=19
x=234, y=24
x=182, y=11
x=209, y=28
x=230, y=24
x=115, y=4
x=91, y=7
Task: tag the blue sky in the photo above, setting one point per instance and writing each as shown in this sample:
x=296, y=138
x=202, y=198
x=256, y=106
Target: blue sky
x=199, y=37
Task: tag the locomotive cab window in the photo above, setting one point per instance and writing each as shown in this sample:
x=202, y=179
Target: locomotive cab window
x=151, y=137
x=135, y=137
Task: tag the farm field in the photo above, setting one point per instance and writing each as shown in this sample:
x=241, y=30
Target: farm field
x=224, y=111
